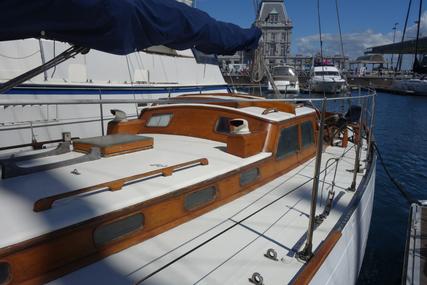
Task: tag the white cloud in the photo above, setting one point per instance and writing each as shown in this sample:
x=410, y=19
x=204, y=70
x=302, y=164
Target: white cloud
x=355, y=44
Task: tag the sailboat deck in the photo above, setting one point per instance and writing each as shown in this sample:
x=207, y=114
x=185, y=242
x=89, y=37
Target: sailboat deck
x=227, y=245
x=18, y=194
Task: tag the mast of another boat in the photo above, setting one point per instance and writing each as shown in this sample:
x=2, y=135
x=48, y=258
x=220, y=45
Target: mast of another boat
x=416, y=62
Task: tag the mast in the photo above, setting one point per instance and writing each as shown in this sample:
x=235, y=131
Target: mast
x=416, y=63
x=399, y=60
x=340, y=31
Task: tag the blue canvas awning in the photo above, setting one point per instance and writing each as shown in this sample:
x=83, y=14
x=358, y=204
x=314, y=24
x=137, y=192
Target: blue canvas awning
x=123, y=26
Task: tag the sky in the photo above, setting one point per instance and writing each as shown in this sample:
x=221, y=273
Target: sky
x=365, y=23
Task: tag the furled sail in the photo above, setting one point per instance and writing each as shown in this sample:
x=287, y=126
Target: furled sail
x=123, y=26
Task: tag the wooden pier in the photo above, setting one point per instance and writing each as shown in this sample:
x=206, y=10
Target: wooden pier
x=415, y=266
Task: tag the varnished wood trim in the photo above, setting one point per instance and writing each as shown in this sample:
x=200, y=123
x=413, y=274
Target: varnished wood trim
x=319, y=257
x=50, y=256
x=207, y=95
x=115, y=185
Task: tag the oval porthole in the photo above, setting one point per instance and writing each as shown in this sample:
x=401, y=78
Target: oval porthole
x=4, y=273
x=249, y=176
x=107, y=233
x=199, y=198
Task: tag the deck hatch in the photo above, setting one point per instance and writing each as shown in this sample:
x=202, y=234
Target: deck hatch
x=249, y=176
x=114, y=144
x=199, y=198
x=109, y=232
x=288, y=142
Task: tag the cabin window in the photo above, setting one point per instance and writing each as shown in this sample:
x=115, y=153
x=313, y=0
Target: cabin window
x=160, y=120
x=199, y=198
x=307, y=134
x=4, y=272
x=288, y=142
x=249, y=176
x=109, y=232
x=223, y=125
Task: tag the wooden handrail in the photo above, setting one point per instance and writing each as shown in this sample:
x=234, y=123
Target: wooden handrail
x=44, y=204
x=313, y=265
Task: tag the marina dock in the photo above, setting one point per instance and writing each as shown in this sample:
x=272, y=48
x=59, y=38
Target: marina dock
x=414, y=271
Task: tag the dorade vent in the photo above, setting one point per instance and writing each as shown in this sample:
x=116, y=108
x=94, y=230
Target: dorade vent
x=199, y=198
x=5, y=275
x=239, y=127
x=249, y=176
x=159, y=120
x=114, y=144
x=107, y=233
x=119, y=115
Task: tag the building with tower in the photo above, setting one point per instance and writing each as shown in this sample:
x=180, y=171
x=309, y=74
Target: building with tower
x=276, y=27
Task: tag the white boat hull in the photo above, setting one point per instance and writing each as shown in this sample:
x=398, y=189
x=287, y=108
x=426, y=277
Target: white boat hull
x=411, y=86
x=285, y=87
x=343, y=263
x=21, y=124
x=327, y=86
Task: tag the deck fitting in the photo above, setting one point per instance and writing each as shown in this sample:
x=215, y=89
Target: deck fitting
x=271, y=254
x=256, y=279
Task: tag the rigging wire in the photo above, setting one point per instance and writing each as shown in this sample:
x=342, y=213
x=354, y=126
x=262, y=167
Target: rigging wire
x=321, y=44
x=235, y=224
x=255, y=3
x=418, y=30
x=320, y=30
x=340, y=31
x=54, y=55
x=399, y=59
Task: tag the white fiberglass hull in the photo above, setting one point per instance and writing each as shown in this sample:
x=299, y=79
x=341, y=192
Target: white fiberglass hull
x=22, y=124
x=411, y=86
x=95, y=76
x=285, y=86
x=327, y=86
x=344, y=262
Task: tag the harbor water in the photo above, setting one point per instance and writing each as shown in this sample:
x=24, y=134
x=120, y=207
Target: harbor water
x=401, y=135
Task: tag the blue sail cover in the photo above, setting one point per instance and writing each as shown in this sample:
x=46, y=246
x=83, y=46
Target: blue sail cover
x=123, y=26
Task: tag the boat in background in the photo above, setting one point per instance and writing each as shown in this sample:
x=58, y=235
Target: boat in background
x=326, y=79
x=285, y=79
x=413, y=86
x=151, y=74
x=417, y=85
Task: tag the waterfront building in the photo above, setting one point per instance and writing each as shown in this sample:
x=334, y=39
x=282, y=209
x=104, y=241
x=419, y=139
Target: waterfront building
x=304, y=63
x=276, y=27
